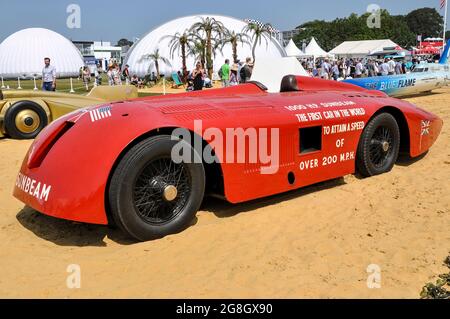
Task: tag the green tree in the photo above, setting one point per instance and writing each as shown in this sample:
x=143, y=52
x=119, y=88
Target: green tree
x=212, y=30
x=355, y=28
x=155, y=57
x=234, y=39
x=179, y=42
x=258, y=33
x=197, y=48
x=124, y=42
x=426, y=21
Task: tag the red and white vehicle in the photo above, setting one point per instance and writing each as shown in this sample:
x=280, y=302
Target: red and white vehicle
x=115, y=163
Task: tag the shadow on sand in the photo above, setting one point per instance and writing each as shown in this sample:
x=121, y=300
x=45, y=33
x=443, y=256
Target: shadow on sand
x=67, y=233
x=406, y=160
x=423, y=94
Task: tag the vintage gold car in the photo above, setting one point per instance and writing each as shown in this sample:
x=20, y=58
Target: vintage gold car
x=23, y=113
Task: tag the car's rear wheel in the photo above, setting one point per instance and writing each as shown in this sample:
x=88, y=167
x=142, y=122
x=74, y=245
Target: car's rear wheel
x=379, y=146
x=150, y=195
x=25, y=120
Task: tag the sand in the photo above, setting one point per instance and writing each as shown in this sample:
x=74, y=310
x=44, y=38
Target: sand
x=314, y=242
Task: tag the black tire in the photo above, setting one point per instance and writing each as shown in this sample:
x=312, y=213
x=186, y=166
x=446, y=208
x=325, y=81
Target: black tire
x=379, y=146
x=31, y=117
x=143, y=181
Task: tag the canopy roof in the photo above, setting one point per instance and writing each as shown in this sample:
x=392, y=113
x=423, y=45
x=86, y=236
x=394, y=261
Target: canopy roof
x=362, y=48
x=313, y=49
x=293, y=50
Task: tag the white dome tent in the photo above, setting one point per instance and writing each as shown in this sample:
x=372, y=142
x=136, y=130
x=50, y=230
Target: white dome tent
x=292, y=50
x=155, y=40
x=22, y=54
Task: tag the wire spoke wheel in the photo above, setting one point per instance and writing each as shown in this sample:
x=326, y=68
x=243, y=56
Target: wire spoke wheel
x=161, y=191
x=379, y=146
x=151, y=196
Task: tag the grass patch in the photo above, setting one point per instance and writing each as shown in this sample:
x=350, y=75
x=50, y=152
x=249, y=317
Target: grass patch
x=63, y=85
x=439, y=289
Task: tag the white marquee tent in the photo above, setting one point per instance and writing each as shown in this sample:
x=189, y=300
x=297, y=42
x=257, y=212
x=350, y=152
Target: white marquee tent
x=359, y=49
x=313, y=49
x=22, y=54
x=153, y=40
x=292, y=50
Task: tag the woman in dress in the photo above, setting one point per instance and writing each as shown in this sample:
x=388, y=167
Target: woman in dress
x=198, y=77
x=234, y=75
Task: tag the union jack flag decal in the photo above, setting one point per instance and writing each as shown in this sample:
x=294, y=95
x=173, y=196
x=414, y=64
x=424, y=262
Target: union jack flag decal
x=100, y=113
x=426, y=125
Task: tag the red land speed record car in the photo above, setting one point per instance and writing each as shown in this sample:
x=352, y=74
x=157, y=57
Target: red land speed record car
x=147, y=164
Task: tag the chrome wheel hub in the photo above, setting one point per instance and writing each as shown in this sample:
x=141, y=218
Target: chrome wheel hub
x=27, y=121
x=170, y=193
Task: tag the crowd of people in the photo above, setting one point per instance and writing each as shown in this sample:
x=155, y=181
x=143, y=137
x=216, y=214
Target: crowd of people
x=231, y=74
x=356, y=68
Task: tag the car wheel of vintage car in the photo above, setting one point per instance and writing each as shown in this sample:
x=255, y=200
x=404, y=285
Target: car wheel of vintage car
x=379, y=146
x=24, y=120
x=150, y=195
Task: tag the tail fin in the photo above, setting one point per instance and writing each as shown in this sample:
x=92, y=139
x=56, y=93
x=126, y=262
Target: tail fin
x=444, y=57
x=114, y=93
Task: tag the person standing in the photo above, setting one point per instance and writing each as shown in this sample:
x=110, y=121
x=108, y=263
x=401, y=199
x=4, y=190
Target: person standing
x=310, y=65
x=246, y=71
x=86, y=77
x=110, y=76
x=48, y=76
x=198, y=76
x=335, y=71
x=398, y=68
x=234, y=75
x=391, y=64
x=225, y=72
x=384, y=68
x=126, y=73
x=325, y=69
x=116, y=75
x=358, y=69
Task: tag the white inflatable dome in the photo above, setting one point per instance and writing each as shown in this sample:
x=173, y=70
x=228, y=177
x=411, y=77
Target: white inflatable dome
x=22, y=54
x=152, y=41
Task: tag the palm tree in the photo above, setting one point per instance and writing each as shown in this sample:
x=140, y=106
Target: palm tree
x=212, y=30
x=156, y=57
x=179, y=41
x=259, y=32
x=234, y=39
x=198, y=51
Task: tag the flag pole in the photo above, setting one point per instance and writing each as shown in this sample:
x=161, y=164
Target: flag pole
x=445, y=22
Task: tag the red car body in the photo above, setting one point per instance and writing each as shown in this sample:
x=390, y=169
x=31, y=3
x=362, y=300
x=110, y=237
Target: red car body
x=65, y=174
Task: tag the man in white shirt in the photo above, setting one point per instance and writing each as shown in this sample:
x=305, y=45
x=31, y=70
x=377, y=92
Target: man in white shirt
x=391, y=64
x=384, y=68
x=48, y=76
x=358, y=69
x=325, y=70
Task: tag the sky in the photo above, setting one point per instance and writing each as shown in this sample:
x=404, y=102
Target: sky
x=111, y=20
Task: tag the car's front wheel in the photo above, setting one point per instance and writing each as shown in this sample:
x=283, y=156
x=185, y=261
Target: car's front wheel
x=152, y=196
x=379, y=146
x=25, y=120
